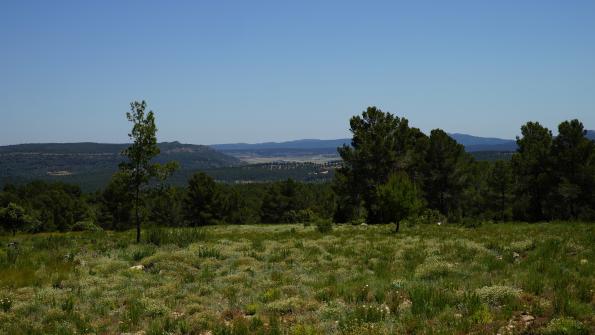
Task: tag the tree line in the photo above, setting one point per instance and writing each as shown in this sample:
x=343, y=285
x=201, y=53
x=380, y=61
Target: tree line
x=391, y=173
x=42, y=206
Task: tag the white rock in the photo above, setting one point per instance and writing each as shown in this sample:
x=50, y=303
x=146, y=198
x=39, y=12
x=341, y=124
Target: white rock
x=527, y=318
x=137, y=267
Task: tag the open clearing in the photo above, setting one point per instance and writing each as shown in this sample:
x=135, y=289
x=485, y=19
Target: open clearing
x=291, y=279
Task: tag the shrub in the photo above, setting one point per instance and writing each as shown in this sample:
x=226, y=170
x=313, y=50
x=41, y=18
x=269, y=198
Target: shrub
x=428, y=300
x=139, y=252
x=427, y=216
x=521, y=246
x=481, y=315
x=251, y=309
x=12, y=252
x=206, y=252
x=299, y=216
x=133, y=314
x=286, y=306
x=497, y=294
x=68, y=305
x=363, y=314
x=270, y=294
x=470, y=223
x=86, y=225
x=398, y=199
x=181, y=237
x=371, y=313
x=432, y=268
x=5, y=304
x=565, y=326
x=324, y=226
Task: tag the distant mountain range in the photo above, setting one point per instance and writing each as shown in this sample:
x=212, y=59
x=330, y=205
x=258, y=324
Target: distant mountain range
x=471, y=143
x=297, y=144
x=476, y=143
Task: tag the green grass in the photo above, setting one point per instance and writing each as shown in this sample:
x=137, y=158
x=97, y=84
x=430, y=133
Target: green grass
x=290, y=279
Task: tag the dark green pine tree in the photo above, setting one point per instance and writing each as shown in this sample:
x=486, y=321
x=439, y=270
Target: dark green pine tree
x=382, y=144
x=573, y=155
x=202, y=204
x=532, y=167
x=500, y=189
x=446, y=173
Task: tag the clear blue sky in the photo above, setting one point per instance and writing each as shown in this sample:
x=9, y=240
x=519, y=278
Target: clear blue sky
x=253, y=71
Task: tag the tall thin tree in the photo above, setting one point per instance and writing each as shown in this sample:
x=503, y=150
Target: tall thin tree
x=139, y=168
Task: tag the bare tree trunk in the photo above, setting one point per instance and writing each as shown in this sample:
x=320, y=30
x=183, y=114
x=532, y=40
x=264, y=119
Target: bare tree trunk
x=137, y=216
x=502, y=206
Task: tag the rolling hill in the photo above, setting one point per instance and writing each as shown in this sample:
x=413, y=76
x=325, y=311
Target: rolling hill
x=92, y=164
x=476, y=143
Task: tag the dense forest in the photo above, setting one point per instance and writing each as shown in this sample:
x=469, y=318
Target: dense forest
x=391, y=173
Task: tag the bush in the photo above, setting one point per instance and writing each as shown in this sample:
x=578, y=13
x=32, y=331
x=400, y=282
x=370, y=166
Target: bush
x=209, y=252
x=428, y=300
x=324, y=226
x=138, y=252
x=565, y=326
x=521, y=246
x=433, y=268
x=497, y=294
x=86, y=225
x=427, y=216
x=398, y=199
x=300, y=216
x=470, y=223
x=5, y=304
x=181, y=237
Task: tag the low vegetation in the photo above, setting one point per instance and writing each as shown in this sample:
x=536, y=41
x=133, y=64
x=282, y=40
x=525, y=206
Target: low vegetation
x=508, y=278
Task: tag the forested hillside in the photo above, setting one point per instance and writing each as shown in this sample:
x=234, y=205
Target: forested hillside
x=91, y=165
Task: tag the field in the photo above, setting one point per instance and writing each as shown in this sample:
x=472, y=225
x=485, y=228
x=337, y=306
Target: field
x=292, y=279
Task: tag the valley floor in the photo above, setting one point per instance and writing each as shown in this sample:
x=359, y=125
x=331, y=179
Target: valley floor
x=290, y=279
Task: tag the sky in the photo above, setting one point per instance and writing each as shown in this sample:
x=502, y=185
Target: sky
x=254, y=71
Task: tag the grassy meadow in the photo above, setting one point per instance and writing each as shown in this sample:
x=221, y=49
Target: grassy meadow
x=291, y=279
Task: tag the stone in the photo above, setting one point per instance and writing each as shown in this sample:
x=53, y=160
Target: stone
x=177, y=315
x=139, y=267
x=405, y=305
x=527, y=318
